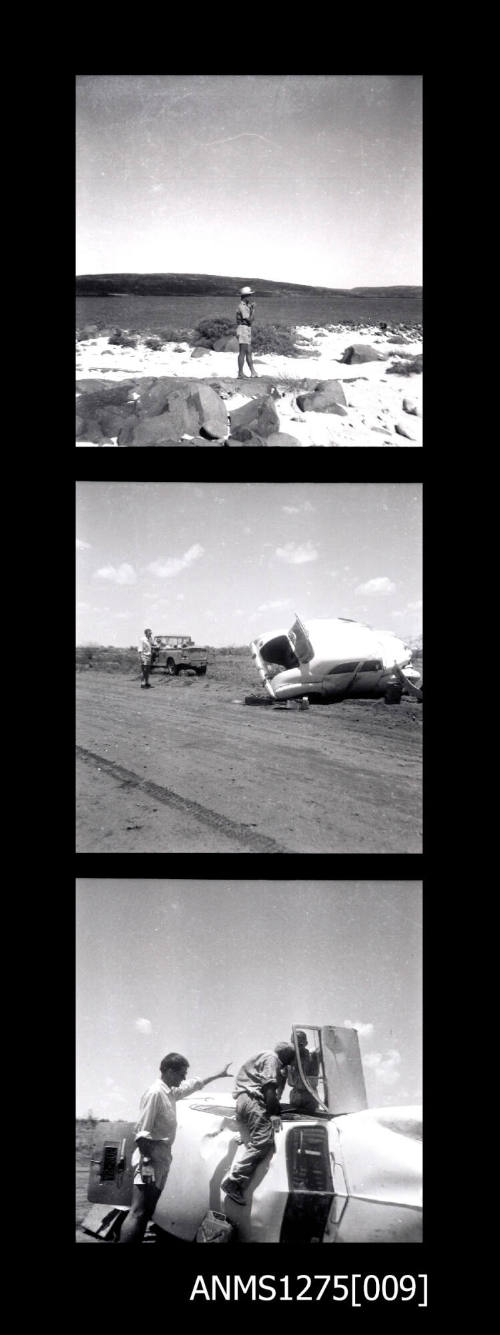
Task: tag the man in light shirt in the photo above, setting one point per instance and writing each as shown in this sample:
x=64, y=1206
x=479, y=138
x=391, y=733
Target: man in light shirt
x=244, y=319
x=154, y=1135
x=257, y=1089
x=145, y=653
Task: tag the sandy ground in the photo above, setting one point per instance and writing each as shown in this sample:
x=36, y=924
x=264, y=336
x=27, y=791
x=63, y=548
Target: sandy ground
x=374, y=398
x=188, y=767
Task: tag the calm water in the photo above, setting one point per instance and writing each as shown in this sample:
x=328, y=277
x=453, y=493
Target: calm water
x=155, y=314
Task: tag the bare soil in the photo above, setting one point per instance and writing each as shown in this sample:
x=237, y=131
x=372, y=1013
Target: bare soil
x=188, y=767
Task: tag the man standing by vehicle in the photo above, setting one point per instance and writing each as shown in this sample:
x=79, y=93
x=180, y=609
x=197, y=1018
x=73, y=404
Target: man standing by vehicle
x=244, y=318
x=155, y=1135
x=145, y=655
x=257, y=1089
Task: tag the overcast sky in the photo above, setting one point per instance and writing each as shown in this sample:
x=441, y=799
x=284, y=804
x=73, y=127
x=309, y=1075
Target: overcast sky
x=223, y=562
x=305, y=178
x=219, y=970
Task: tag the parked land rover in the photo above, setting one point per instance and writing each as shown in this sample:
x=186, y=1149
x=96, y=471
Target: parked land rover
x=174, y=653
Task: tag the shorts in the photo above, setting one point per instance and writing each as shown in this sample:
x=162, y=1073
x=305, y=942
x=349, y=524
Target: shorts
x=244, y=333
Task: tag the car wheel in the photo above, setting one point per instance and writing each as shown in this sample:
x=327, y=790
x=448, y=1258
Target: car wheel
x=170, y=667
x=393, y=695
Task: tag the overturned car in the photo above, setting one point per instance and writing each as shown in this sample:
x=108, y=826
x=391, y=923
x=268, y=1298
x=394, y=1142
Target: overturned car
x=342, y=1173
x=335, y=658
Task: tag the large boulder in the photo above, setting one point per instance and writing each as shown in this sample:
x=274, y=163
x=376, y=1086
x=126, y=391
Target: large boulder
x=183, y=411
x=198, y=352
x=112, y=419
x=267, y=418
x=248, y=412
x=138, y=432
x=282, y=439
x=211, y=410
x=328, y=397
x=245, y=437
x=406, y=429
x=361, y=352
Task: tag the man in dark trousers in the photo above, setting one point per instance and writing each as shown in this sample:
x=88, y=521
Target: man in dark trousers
x=145, y=655
x=154, y=1136
x=257, y=1089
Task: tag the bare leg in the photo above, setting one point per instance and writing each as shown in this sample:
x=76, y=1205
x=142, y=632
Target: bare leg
x=250, y=361
x=141, y=1211
x=241, y=359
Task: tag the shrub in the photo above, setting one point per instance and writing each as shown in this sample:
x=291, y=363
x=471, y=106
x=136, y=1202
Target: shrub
x=214, y=327
x=275, y=338
x=154, y=343
x=124, y=340
x=176, y=335
x=407, y=366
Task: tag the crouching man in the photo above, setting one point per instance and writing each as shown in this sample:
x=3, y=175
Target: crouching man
x=257, y=1089
x=155, y=1135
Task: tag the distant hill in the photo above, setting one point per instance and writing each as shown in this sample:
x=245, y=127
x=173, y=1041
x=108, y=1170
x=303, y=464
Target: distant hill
x=188, y=284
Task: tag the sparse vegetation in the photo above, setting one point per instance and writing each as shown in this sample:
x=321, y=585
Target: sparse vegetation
x=124, y=340
x=407, y=366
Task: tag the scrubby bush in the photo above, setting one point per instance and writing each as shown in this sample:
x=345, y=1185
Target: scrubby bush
x=177, y=335
x=275, y=338
x=407, y=366
x=154, y=343
x=208, y=331
x=124, y=340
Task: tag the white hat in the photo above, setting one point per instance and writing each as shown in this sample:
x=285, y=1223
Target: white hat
x=247, y=292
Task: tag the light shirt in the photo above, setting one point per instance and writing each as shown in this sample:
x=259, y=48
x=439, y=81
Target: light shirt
x=145, y=647
x=158, y=1124
x=244, y=314
x=263, y=1069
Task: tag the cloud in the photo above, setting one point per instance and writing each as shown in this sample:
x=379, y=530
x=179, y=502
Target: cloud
x=81, y=545
x=174, y=564
x=296, y=554
x=416, y=606
x=379, y=585
x=364, y=1030
x=385, y=1066
x=143, y=1026
x=278, y=602
x=305, y=508
x=123, y=574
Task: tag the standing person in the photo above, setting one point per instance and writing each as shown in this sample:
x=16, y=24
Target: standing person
x=244, y=318
x=155, y=1135
x=300, y=1097
x=145, y=654
x=257, y=1089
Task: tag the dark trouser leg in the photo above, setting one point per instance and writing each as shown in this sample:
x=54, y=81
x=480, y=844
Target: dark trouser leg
x=254, y=1116
x=141, y=1211
x=146, y=669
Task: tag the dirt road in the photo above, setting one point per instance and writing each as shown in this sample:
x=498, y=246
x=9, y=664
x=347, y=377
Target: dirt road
x=184, y=767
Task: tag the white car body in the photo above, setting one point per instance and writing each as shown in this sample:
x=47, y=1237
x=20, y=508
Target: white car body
x=333, y=657
x=344, y=1173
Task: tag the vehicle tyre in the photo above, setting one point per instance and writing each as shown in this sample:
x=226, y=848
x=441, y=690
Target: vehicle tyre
x=200, y=672
x=171, y=667
x=393, y=695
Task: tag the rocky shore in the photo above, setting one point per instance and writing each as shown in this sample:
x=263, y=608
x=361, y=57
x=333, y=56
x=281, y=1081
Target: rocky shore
x=344, y=388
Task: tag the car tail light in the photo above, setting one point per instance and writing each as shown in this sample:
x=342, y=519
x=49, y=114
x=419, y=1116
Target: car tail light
x=310, y=1184
x=308, y=1159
